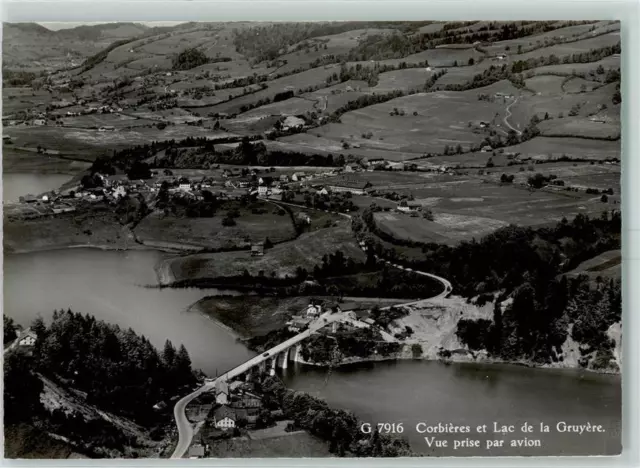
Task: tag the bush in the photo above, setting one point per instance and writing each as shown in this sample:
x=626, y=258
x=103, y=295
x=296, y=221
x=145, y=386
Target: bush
x=189, y=58
x=228, y=221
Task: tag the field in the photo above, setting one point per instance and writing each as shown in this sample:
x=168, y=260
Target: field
x=283, y=259
x=252, y=315
x=298, y=444
x=446, y=228
x=606, y=265
x=210, y=233
x=14, y=160
x=474, y=197
x=431, y=122
x=82, y=230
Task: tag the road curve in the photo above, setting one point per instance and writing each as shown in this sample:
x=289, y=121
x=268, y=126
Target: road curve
x=185, y=430
x=506, y=122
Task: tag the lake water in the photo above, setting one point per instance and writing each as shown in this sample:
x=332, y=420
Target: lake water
x=108, y=284
x=16, y=185
x=472, y=394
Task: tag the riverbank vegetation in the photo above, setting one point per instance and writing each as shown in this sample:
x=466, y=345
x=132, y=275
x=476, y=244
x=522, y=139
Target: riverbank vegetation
x=344, y=344
x=341, y=429
x=336, y=275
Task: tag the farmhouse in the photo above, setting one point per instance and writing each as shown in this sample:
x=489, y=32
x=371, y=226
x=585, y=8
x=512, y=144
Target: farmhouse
x=196, y=451
x=374, y=162
x=27, y=339
x=257, y=249
x=284, y=178
x=396, y=166
x=292, y=122
x=340, y=189
x=224, y=418
x=314, y=310
x=298, y=323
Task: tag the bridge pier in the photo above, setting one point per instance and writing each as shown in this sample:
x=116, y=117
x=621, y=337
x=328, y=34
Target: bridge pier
x=285, y=359
x=297, y=354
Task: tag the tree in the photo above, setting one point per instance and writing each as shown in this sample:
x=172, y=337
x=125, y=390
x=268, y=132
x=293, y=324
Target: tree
x=10, y=328
x=21, y=389
x=228, y=221
x=537, y=181
x=189, y=58
x=183, y=364
x=604, y=198
x=139, y=170
x=169, y=354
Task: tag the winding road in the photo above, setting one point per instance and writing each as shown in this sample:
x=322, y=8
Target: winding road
x=185, y=429
x=506, y=122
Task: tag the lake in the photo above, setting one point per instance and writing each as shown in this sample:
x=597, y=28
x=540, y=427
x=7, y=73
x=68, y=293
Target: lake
x=16, y=185
x=473, y=394
x=110, y=285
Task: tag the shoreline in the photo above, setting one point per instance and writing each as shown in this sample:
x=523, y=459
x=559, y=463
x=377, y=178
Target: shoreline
x=464, y=360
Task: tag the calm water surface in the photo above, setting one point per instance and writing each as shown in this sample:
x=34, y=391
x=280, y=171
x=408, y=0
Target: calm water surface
x=473, y=395
x=108, y=284
x=16, y=185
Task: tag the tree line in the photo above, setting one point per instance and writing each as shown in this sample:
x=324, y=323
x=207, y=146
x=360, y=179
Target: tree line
x=338, y=427
x=119, y=370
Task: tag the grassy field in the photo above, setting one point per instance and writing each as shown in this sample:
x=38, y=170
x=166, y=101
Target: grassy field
x=250, y=316
x=606, y=265
x=91, y=143
x=510, y=204
x=299, y=444
x=551, y=148
x=581, y=127
x=209, y=232
x=446, y=228
x=283, y=259
x=14, y=160
x=441, y=119
x=71, y=230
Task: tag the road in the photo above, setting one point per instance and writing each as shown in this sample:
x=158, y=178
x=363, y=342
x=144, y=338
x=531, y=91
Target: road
x=185, y=430
x=506, y=122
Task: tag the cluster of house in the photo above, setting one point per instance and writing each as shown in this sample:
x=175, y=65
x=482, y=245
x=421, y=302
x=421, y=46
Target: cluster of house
x=351, y=313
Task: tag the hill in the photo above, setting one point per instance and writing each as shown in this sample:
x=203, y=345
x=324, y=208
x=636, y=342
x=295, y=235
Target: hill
x=32, y=47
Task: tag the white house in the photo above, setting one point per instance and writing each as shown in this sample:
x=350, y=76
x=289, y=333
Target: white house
x=224, y=418
x=27, y=339
x=314, y=310
x=226, y=423
x=263, y=190
x=119, y=192
x=185, y=187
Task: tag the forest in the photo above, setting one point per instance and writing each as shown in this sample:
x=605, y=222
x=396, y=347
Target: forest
x=546, y=305
x=535, y=325
x=118, y=370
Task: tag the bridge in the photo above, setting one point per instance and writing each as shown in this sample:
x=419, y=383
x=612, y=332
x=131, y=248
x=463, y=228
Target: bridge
x=277, y=356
